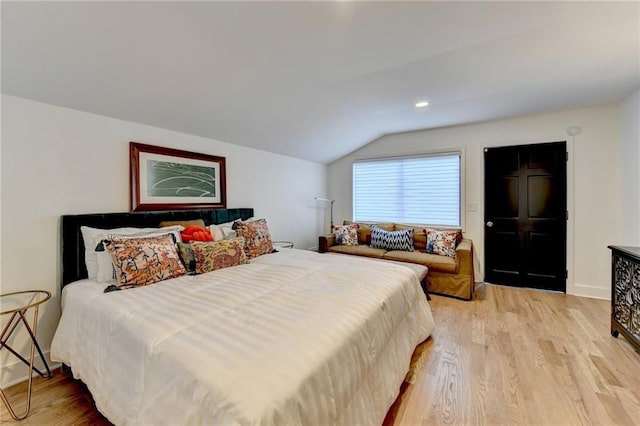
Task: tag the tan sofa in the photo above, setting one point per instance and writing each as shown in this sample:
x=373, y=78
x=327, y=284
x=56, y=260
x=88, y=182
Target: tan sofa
x=447, y=276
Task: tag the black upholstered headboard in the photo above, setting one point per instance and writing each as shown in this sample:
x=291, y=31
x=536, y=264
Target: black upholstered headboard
x=73, y=266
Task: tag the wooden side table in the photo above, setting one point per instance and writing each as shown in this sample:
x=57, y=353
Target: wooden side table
x=17, y=304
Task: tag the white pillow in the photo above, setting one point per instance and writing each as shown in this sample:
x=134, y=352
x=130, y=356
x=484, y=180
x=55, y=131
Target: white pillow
x=225, y=231
x=89, y=236
x=216, y=232
x=99, y=263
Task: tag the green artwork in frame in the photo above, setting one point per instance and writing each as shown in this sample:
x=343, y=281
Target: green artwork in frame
x=169, y=179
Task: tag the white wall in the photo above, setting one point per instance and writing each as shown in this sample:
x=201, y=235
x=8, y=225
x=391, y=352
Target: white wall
x=629, y=125
x=59, y=161
x=593, y=193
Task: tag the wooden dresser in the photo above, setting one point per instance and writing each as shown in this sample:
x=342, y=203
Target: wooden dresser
x=625, y=293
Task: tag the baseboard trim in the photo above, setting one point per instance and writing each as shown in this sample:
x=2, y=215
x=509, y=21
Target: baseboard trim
x=574, y=290
x=589, y=291
x=17, y=372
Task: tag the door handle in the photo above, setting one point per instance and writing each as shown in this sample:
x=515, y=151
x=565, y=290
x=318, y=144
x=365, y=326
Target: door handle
x=490, y=224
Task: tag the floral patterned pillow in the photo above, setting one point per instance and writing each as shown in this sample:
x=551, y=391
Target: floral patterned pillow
x=346, y=235
x=143, y=261
x=256, y=236
x=218, y=254
x=443, y=242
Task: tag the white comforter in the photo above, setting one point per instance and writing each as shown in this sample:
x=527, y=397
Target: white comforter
x=293, y=338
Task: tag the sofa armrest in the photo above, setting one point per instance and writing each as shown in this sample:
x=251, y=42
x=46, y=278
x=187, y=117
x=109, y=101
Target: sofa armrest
x=464, y=257
x=326, y=241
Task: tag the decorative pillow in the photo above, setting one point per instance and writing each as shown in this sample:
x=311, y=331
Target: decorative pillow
x=394, y=240
x=98, y=261
x=218, y=254
x=364, y=230
x=257, y=238
x=419, y=235
x=185, y=223
x=364, y=225
x=106, y=268
x=89, y=236
x=185, y=251
x=346, y=235
x=443, y=242
x=226, y=230
x=143, y=261
x=196, y=233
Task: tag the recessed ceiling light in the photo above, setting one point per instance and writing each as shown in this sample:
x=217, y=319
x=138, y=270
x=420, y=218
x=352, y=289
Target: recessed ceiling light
x=422, y=104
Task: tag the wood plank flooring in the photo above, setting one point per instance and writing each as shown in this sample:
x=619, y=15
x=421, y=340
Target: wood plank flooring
x=511, y=356
x=516, y=356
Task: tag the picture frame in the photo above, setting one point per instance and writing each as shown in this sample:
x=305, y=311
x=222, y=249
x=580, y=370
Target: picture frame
x=172, y=179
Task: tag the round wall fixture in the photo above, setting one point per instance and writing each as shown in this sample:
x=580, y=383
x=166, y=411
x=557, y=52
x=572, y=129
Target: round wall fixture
x=573, y=130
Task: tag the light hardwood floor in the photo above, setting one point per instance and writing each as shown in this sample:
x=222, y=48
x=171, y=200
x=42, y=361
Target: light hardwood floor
x=511, y=356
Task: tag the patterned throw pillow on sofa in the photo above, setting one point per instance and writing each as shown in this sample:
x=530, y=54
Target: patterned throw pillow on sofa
x=346, y=235
x=392, y=240
x=443, y=242
x=364, y=230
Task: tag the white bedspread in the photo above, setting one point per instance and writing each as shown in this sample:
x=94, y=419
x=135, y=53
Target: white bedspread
x=295, y=337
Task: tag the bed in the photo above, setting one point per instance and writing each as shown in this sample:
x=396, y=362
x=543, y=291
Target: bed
x=294, y=337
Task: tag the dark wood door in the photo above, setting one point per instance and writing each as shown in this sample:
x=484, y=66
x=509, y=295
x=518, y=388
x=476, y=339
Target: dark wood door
x=526, y=215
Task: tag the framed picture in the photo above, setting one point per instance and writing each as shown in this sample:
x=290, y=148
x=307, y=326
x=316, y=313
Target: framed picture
x=171, y=179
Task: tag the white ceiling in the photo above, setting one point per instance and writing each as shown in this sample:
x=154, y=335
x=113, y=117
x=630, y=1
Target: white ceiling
x=318, y=80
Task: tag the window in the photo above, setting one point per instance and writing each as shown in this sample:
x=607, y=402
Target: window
x=424, y=189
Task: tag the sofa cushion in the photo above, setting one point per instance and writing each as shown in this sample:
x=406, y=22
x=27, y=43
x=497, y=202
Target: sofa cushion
x=364, y=230
x=364, y=225
x=360, y=250
x=433, y=261
x=419, y=235
x=443, y=242
x=346, y=235
x=394, y=240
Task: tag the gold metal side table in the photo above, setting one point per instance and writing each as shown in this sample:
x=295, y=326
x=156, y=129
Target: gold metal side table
x=17, y=304
x=282, y=244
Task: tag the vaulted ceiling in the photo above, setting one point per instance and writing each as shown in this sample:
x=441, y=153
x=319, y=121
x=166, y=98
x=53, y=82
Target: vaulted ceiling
x=317, y=80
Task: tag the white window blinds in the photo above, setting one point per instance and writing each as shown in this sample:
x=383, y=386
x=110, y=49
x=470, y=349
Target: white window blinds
x=424, y=190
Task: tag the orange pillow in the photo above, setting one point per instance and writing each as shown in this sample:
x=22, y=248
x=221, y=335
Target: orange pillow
x=196, y=233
